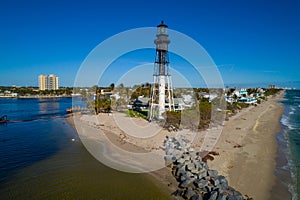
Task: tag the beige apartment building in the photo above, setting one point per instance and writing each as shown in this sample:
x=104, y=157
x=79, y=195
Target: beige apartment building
x=48, y=82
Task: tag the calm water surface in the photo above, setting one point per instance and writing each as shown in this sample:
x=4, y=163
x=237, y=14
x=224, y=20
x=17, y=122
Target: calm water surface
x=39, y=160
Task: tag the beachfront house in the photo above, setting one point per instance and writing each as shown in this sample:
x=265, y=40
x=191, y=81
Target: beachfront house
x=260, y=92
x=248, y=100
x=236, y=93
x=141, y=104
x=209, y=96
x=188, y=101
x=243, y=92
x=116, y=96
x=242, y=95
x=230, y=99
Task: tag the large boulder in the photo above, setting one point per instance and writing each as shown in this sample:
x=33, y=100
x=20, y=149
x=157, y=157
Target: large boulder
x=213, y=195
x=212, y=173
x=197, y=197
x=200, y=183
x=222, y=197
x=186, y=183
x=188, y=194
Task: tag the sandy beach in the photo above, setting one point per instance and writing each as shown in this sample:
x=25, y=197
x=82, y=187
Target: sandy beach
x=247, y=146
x=248, y=149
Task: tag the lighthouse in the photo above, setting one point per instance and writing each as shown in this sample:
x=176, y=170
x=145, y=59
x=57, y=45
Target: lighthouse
x=162, y=91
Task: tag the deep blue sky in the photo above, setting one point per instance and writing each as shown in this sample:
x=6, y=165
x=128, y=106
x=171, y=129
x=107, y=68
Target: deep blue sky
x=252, y=41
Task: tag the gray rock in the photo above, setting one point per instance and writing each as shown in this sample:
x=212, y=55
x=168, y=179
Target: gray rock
x=183, y=177
x=212, y=173
x=237, y=193
x=202, y=174
x=191, y=166
x=177, y=153
x=195, y=171
x=207, y=189
x=201, y=191
x=231, y=197
x=222, y=197
x=190, y=174
x=198, y=164
x=200, y=183
x=186, y=183
x=179, y=165
x=185, y=157
x=196, y=197
x=235, y=197
x=204, y=165
x=222, y=188
x=193, y=155
x=174, y=159
x=197, y=181
x=199, y=158
x=223, y=180
x=180, y=160
x=213, y=195
x=188, y=194
x=180, y=171
x=168, y=159
x=169, y=151
x=178, y=193
x=215, y=182
x=239, y=197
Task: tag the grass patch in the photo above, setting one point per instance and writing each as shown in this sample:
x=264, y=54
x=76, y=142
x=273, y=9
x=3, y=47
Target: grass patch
x=133, y=113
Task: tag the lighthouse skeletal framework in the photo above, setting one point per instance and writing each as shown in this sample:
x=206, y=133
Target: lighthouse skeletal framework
x=162, y=91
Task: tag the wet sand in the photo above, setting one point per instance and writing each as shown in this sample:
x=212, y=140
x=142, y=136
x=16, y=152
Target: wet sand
x=162, y=178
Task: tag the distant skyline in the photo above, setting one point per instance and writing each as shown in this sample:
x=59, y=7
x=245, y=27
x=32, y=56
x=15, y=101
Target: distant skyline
x=252, y=42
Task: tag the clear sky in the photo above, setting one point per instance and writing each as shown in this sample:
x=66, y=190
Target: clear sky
x=252, y=41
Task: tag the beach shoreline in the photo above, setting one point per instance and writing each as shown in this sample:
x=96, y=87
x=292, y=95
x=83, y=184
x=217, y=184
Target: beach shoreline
x=247, y=148
x=162, y=178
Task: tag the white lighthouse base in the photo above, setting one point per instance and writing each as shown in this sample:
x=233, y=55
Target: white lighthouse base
x=161, y=96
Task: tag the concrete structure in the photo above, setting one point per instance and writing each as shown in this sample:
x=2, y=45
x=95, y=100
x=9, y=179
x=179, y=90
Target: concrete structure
x=162, y=92
x=48, y=82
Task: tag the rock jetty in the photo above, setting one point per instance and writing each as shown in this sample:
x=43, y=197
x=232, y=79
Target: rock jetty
x=196, y=180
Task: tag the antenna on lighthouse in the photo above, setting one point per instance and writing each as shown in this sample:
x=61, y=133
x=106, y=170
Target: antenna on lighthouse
x=162, y=91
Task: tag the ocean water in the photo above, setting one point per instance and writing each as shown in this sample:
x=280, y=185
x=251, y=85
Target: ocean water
x=288, y=168
x=39, y=159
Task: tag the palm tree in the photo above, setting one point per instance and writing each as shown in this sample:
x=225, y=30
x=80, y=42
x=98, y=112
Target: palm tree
x=112, y=87
x=235, y=97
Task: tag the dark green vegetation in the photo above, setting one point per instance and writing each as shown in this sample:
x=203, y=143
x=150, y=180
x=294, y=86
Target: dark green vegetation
x=200, y=118
x=190, y=118
x=272, y=91
x=141, y=90
x=102, y=102
x=32, y=91
x=102, y=105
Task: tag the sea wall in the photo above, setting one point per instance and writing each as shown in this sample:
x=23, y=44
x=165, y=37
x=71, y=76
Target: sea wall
x=195, y=180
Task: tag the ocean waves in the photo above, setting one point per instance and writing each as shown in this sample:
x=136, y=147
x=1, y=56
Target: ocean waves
x=290, y=121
